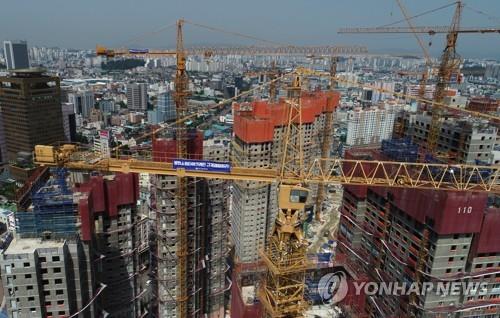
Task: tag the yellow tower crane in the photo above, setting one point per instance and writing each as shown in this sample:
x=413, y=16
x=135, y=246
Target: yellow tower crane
x=181, y=92
x=282, y=292
x=449, y=60
x=401, y=127
x=180, y=97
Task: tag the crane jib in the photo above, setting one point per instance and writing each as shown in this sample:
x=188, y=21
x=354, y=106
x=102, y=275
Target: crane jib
x=201, y=165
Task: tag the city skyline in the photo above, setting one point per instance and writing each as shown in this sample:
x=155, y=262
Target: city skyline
x=297, y=23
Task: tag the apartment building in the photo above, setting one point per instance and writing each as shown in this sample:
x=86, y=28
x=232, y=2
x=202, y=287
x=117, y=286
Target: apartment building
x=112, y=222
x=259, y=129
x=83, y=102
x=393, y=231
x=45, y=278
x=217, y=229
x=207, y=214
x=468, y=140
x=370, y=126
x=137, y=96
x=80, y=249
x=483, y=104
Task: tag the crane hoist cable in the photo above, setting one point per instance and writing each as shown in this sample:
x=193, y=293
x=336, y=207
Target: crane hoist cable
x=419, y=14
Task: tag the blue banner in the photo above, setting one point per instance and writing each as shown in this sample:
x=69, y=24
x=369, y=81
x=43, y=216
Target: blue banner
x=202, y=165
x=138, y=51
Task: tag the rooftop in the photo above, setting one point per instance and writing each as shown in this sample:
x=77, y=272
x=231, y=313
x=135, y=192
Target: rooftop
x=29, y=245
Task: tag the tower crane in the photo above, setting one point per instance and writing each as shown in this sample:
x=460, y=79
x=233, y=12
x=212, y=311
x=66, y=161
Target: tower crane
x=239, y=50
x=449, y=62
x=181, y=92
x=449, y=59
x=180, y=97
x=282, y=292
x=431, y=30
x=400, y=129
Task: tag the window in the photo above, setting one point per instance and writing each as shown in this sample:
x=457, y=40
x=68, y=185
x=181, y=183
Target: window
x=57, y=270
x=27, y=276
x=59, y=292
x=42, y=259
x=453, y=248
x=450, y=259
x=58, y=281
x=56, y=258
x=29, y=287
x=26, y=264
x=298, y=196
x=31, y=298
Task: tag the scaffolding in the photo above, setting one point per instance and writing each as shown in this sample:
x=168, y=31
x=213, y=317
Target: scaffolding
x=53, y=213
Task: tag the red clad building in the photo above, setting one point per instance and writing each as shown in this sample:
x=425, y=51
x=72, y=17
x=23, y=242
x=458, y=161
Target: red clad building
x=386, y=229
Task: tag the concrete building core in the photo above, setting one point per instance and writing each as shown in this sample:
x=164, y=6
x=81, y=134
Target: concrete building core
x=468, y=140
x=384, y=232
x=259, y=129
x=207, y=231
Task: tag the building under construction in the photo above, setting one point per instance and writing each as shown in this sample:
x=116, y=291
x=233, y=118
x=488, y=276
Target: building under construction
x=259, y=129
x=464, y=140
x=75, y=241
x=207, y=233
x=405, y=235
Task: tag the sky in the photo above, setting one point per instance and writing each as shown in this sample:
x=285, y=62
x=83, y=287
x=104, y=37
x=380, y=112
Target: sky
x=122, y=23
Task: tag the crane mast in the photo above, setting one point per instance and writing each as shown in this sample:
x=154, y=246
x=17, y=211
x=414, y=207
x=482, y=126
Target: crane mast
x=449, y=63
x=181, y=91
x=282, y=291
